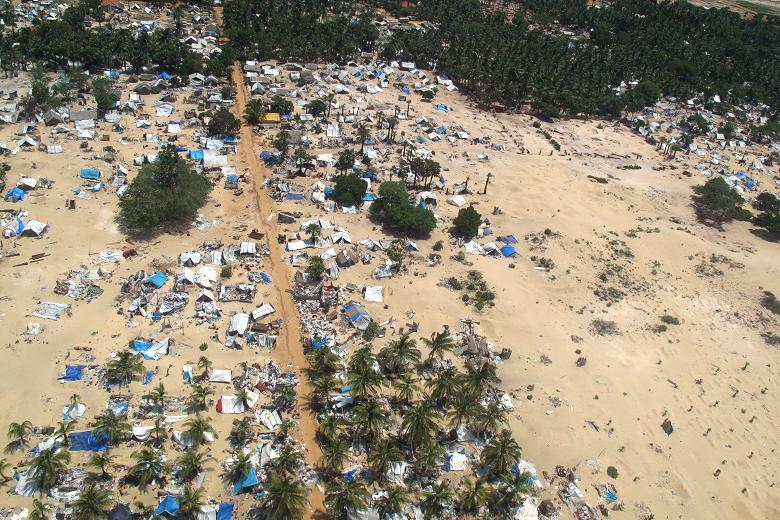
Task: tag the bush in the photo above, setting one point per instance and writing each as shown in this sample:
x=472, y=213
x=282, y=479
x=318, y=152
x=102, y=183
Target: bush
x=467, y=222
x=612, y=472
x=716, y=202
x=771, y=338
x=226, y=271
x=455, y=283
x=316, y=107
x=371, y=332
x=223, y=122
x=484, y=299
x=769, y=218
x=604, y=327
x=166, y=191
x=203, y=347
x=316, y=267
x=770, y=302
x=428, y=94
x=438, y=246
x=349, y=190
x=670, y=320
x=395, y=211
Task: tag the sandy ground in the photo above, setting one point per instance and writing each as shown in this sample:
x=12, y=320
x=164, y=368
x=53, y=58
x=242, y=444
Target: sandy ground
x=713, y=375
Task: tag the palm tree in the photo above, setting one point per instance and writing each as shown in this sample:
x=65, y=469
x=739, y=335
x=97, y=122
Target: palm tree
x=436, y=500
x=445, y=385
x=501, y=453
x=343, y=498
x=462, y=410
x=475, y=496
x=323, y=361
x=101, y=460
x=64, y=428
x=196, y=429
x=429, y=458
x=322, y=387
x=406, y=388
x=285, y=498
x=149, y=467
x=393, y=502
x=113, y=425
x=46, y=468
x=284, y=428
x=205, y=365
x=18, y=433
x=370, y=419
x=363, y=134
x=364, y=382
x=40, y=510
x=190, y=502
x=383, y=454
x=362, y=358
x=157, y=397
x=289, y=460
x=241, y=433
x=190, y=464
x=241, y=466
x=396, y=357
x=75, y=399
x=254, y=112
x=489, y=419
x=158, y=431
x=124, y=367
x=512, y=489
x=335, y=453
x=93, y=503
x=4, y=465
x=439, y=344
x=419, y=423
x=199, y=395
x=329, y=427
x=479, y=379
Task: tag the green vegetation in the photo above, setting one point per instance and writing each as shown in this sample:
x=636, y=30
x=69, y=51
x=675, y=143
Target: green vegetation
x=670, y=320
x=467, y=222
x=167, y=191
x=604, y=327
x=349, y=190
x=394, y=210
x=769, y=218
x=223, y=122
x=280, y=105
x=255, y=111
x=760, y=9
x=771, y=338
x=612, y=472
x=716, y=202
x=770, y=302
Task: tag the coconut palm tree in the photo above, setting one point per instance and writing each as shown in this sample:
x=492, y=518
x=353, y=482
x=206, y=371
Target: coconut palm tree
x=462, y=409
x=157, y=397
x=362, y=358
x=93, y=503
x=335, y=453
x=363, y=133
x=370, y=419
x=512, y=489
x=64, y=428
x=393, y=502
x=445, y=385
x=406, y=388
x=383, y=454
x=501, y=453
x=47, y=467
x=329, y=427
x=429, y=458
x=289, y=460
x=75, y=399
x=284, y=428
x=285, y=498
x=436, y=500
x=196, y=429
x=241, y=466
x=149, y=467
x=344, y=498
x=419, y=424
x=285, y=396
x=190, y=464
x=478, y=379
x=364, y=382
x=112, y=425
x=241, y=433
x=205, y=365
x=489, y=419
x=158, y=431
x=323, y=361
x=40, y=510
x=199, y=395
x=190, y=503
x=125, y=367
x=475, y=496
x=18, y=433
x=399, y=354
x=101, y=460
x=322, y=387
x=438, y=345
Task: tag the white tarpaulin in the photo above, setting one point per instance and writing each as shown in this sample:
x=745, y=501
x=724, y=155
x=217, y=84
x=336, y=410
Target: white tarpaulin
x=230, y=404
x=50, y=310
x=238, y=324
x=269, y=418
x=142, y=433
x=264, y=310
x=220, y=376
x=73, y=411
x=374, y=293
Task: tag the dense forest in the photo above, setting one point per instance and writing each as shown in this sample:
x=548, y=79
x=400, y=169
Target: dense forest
x=512, y=59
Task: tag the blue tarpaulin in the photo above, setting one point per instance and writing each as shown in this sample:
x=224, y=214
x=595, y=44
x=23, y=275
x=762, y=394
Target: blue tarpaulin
x=88, y=441
x=265, y=277
x=73, y=372
x=97, y=187
x=508, y=239
x=328, y=191
x=246, y=480
x=169, y=505
x=16, y=192
x=294, y=196
x=441, y=107
x=369, y=197
x=118, y=408
x=148, y=377
x=158, y=279
x=265, y=155
x=406, y=90
x=442, y=130
x=350, y=474
x=230, y=140
x=318, y=343
x=90, y=173
x=231, y=182
x=182, y=149
x=225, y=511
x=508, y=250
x=196, y=155
x=164, y=75
x=420, y=139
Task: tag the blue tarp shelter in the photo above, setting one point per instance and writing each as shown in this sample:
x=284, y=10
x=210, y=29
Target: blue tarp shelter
x=90, y=173
x=231, y=182
x=158, y=279
x=266, y=156
x=508, y=239
x=73, y=372
x=369, y=197
x=148, y=376
x=88, y=441
x=328, y=191
x=441, y=107
x=169, y=505
x=230, y=140
x=196, y=155
x=225, y=511
x=246, y=480
x=508, y=250
x=182, y=149
x=16, y=192
x=357, y=315
x=294, y=196
x=406, y=90
x=164, y=75
x=442, y=130
x=318, y=343
x=112, y=74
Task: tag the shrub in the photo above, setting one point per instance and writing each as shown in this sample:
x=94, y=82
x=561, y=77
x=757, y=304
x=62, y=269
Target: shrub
x=604, y=327
x=223, y=122
x=461, y=256
x=349, y=190
x=226, y=271
x=467, y=222
x=203, y=347
x=316, y=267
x=166, y=191
x=395, y=211
x=484, y=299
x=371, y=332
x=438, y=246
x=455, y=283
x=660, y=328
x=612, y=472
x=716, y=202
x=770, y=302
x=670, y=320
x=771, y=338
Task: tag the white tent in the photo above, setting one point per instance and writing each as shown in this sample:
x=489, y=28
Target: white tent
x=231, y=404
x=264, y=310
x=373, y=293
x=238, y=324
x=220, y=376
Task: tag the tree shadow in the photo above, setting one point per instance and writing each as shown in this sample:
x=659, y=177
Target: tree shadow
x=766, y=235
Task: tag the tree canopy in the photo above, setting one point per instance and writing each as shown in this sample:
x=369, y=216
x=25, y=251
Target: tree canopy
x=467, y=222
x=394, y=210
x=349, y=190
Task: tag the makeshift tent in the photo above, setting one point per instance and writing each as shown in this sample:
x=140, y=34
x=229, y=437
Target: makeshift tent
x=196, y=155
x=373, y=293
x=357, y=315
x=73, y=373
x=225, y=511
x=150, y=351
x=220, y=376
x=508, y=250
x=88, y=441
x=230, y=404
x=169, y=505
x=158, y=279
x=248, y=479
x=90, y=173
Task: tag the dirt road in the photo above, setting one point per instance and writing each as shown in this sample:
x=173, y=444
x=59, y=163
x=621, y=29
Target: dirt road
x=289, y=349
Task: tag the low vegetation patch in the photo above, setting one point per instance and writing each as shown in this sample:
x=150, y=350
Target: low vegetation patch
x=770, y=302
x=604, y=327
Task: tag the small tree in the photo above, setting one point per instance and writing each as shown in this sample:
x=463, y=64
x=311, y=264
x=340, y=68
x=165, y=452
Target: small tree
x=346, y=160
x=103, y=99
x=716, y=202
x=316, y=107
x=349, y=190
x=255, y=112
x=467, y=222
x=316, y=267
x=223, y=122
x=282, y=141
x=769, y=218
x=280, y=105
